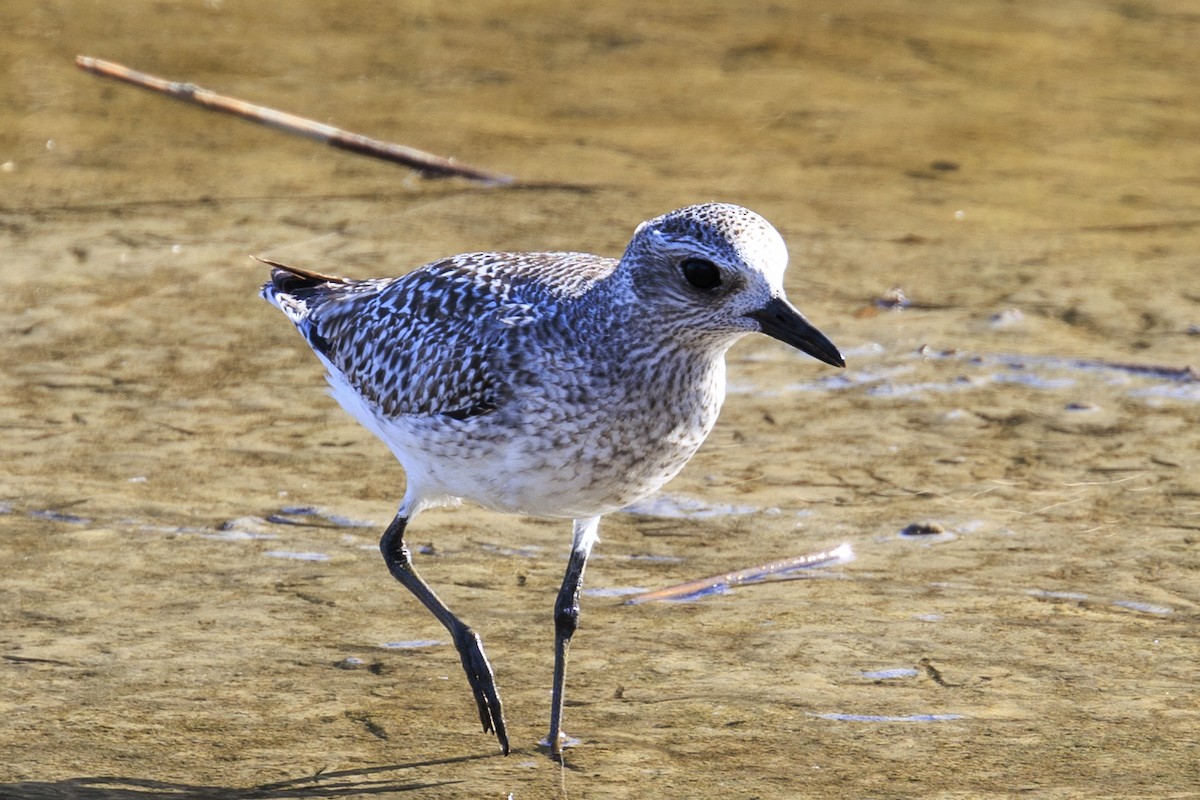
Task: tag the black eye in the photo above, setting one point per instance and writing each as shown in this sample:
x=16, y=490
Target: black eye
x=700, y=273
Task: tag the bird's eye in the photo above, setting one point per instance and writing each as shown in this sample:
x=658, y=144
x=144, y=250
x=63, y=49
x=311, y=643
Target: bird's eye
x=701, y=273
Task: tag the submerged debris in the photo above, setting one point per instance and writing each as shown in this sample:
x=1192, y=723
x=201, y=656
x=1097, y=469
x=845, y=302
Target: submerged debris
x=775, y=570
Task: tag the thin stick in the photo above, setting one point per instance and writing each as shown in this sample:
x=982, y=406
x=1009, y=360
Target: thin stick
x=776, y=569
x=428, y=164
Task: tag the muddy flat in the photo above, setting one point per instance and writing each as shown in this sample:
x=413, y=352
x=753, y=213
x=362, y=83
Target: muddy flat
x=993, y=209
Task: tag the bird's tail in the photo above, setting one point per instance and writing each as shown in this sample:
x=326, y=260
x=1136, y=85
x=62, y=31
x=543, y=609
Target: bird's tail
x=291, y=289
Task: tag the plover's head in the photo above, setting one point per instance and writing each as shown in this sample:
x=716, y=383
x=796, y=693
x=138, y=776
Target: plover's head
x=715, y=271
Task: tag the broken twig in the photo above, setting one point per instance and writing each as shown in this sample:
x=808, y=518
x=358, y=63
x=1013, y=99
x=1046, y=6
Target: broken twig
x=428, y=164
x=777, y=570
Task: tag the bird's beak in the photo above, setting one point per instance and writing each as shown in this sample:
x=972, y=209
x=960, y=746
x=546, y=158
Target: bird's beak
x=780, y=320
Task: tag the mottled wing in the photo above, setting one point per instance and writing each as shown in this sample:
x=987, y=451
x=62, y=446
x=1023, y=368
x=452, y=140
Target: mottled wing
x=435, y=341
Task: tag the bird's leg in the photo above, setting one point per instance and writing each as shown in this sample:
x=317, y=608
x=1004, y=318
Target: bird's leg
x=566, y=619
x=466, y=641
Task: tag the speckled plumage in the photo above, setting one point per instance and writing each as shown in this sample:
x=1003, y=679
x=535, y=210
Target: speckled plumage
x=552, y=384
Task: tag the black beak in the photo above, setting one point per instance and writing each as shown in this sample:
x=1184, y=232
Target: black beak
x=780, y=320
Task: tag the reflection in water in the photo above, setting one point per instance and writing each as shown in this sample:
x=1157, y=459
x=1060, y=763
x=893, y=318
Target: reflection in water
x=839, y=717
x=412, y=644
x=296, y=556
x=977, y=371
x=890, y=674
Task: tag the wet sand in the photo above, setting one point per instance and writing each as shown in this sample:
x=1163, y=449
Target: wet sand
x=1028, y=177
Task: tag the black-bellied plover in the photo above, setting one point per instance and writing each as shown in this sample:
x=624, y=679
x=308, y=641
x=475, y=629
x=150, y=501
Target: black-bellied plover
x=560, y=385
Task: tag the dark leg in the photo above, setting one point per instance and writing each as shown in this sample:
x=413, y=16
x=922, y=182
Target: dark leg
x=566, y=619
x=466, y=641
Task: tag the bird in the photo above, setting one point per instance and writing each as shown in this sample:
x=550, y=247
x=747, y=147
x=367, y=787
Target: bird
x=551, y=384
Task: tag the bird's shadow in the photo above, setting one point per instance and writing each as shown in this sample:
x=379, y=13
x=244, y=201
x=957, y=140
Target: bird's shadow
x=366, y=781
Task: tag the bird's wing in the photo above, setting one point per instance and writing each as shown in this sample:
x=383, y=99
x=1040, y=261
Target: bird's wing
x=438, y=340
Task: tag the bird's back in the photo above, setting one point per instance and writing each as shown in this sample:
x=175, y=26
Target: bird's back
x=427, y=343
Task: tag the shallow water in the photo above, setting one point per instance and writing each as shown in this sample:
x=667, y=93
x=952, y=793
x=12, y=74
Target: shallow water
x=192, y=607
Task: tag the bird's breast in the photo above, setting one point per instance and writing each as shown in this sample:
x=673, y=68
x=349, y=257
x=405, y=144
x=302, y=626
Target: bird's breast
x=596, y=434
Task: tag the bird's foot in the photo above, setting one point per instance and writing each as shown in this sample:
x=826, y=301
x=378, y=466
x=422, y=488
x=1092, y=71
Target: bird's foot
x=554, y=746
x=483, y=684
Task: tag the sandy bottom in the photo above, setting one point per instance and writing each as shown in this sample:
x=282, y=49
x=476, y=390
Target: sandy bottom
x=192, y=603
